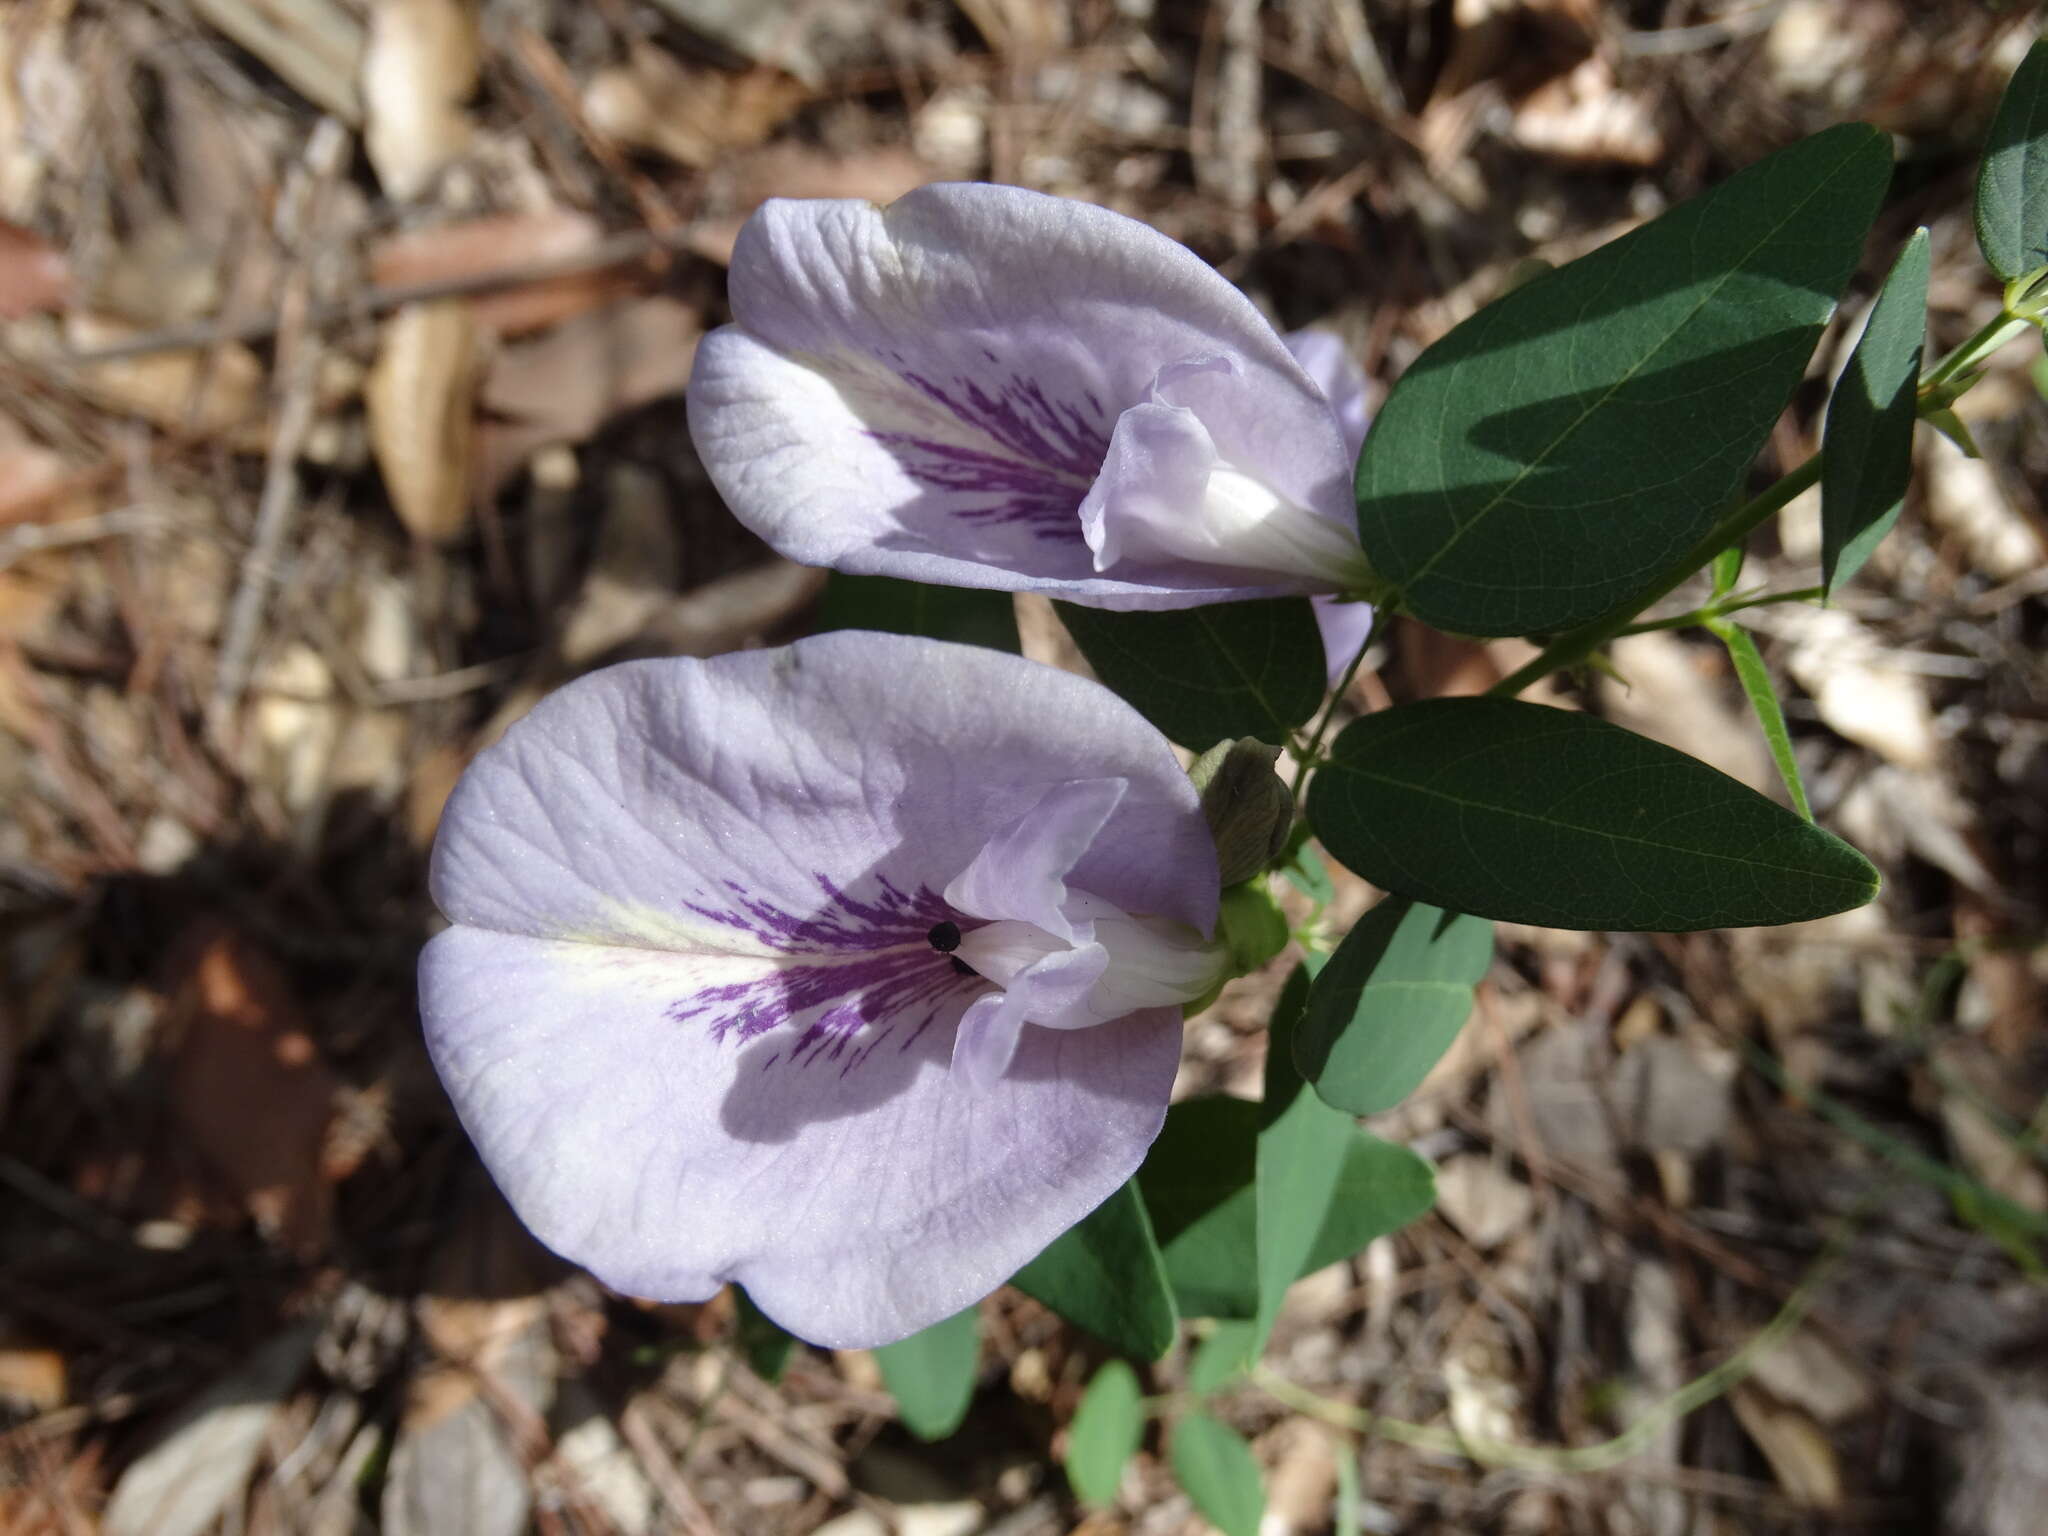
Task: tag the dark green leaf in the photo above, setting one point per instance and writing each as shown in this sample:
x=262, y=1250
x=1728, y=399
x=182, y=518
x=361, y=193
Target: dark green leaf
x=1756, y=683
x=931, y=1374
x=1325, y=1188
x=1199, y=1186
x=1869, y=438
x=2012, y=183
x=1105, y=1432
x=1203, y=675
x=761, y=1339
x=966, y=614
x=1197, y=1182
x=1555, y=454
x=1106, y=1275
x=1390, y=1002
x=1218, y=1471
x=1533, y=815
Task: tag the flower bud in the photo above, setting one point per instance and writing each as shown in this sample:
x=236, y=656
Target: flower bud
x=1247, y=806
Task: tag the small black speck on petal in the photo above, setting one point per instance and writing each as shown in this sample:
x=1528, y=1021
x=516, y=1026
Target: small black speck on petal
x=944, y=937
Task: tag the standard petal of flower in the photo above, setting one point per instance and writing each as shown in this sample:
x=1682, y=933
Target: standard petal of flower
x=929, y=391
x=801, y=797
x=857, y=1201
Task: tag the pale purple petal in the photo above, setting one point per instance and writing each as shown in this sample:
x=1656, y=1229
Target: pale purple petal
x=1345, y=627
x=1044, y=992
x=1325, y=358
x=1021, y=871
x=929, y=391
x=695, y=1012
x=855, y=1204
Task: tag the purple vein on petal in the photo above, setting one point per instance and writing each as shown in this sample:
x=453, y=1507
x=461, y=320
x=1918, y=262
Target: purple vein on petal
x=877, y=970
x=1051, y=452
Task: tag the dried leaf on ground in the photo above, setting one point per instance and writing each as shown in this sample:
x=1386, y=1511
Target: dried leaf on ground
x=561, y=387
x=634, y=571
x=33, y=273
x=688, y=113
x=316, y=46
x=210, y=393
x=505, y=243
x=1965, y=499
x=1482, y=1199
x=31, y=1378
x=1679, y=694
x=1806, y=1371
x=247, y=1085
x=1860, y=695
x=421, y=401
x=420, y=66
x=1799, y=1451
x=749, y=179
x=165, y=273
x=475, y=1418
x=201, y=1465
x=1586, y=115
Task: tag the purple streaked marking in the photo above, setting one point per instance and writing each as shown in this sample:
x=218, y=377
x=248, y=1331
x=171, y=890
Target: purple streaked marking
x=877, y=971
x=1047, y=452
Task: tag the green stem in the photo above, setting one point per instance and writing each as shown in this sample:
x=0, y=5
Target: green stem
x=1712, y=611
x=1315, y=740
x=1569, y=649
x=1973, y=351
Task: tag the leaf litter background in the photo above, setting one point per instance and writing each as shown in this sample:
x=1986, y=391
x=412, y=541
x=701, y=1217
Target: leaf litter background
x=341, y=349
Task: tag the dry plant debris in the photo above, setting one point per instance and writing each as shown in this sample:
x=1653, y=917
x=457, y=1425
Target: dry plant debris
x=341, y=352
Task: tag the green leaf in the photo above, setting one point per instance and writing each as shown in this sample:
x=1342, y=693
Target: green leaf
x=2012, y=183
x=965, y=614
x=1106, y=1275
x=1558, y=452
x=1756, y=683
x=1203, y=675
x=1105, y=1432
x=1231, y=1349
x=1218, y=1471
x=761, y=1339
x=1197, y=1182
x=931, y=1374
x=1390, y=1002
x=1533, y=815
x=1728, y=569
x=1324, y=1188
x=1869, y=436
x=1199, y=1185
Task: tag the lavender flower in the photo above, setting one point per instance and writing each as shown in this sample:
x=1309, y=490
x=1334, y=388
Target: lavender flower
x=850, y=971
x=1345, y=623
x=982, y=386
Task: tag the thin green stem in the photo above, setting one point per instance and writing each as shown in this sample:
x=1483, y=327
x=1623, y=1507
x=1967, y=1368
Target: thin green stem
x=1315, y=740
x=1973, y=351
x=1608, y=1454
x=1709, y=612
x=1569, y=649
